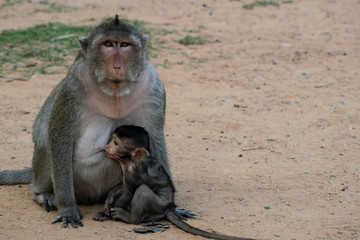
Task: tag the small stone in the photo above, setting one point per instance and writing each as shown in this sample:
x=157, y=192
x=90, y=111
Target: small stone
x=267, y=207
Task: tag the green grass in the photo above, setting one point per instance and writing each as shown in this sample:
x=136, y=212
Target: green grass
x=191, y=40
x=54, y=7
x=38, y=48
x=164, y=32
x=266, y=3
x=196, y=30
x=51, y=48
x=11, y=3
x=43, y=47
x=167, y=64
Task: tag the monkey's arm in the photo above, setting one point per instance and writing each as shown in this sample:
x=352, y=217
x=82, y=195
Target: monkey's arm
x=62, y=132
x=156, y=127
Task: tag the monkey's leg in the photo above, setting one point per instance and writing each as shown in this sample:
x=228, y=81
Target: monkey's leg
x=41, y=186
x=120, y=214
x=147, y=206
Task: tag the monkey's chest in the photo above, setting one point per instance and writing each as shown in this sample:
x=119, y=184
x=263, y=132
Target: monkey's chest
x=93, y=135
x=94, y=173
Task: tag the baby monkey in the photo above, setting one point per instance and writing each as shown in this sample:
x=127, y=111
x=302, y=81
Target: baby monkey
x=146, y=193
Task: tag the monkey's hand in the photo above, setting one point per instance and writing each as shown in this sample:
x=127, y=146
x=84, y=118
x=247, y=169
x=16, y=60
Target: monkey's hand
x=70, y=215
x=108, y=204
x=113, y=195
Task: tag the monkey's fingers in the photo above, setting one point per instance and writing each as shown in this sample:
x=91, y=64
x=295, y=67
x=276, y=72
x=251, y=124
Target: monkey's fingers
x=75, y=222
x=108, y=205
x=101, y=216
x=61, y=219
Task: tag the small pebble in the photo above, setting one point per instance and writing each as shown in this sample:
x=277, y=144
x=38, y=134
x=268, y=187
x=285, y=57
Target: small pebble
x=267, y=207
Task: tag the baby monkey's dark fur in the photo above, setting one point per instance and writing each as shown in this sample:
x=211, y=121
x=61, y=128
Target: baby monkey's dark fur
x=146, y=193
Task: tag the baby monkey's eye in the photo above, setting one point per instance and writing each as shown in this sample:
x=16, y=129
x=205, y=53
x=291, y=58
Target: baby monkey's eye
x=124, y=44
x=108, y=44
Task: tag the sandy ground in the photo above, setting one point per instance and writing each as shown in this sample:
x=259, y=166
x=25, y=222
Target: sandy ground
x=262, y=125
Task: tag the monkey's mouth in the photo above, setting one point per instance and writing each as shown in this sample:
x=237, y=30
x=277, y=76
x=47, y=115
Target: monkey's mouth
x=101, y=149
x=116, y=81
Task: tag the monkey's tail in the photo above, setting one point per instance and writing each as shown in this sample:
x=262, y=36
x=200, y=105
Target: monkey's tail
x=174, y=219
x=13, y=177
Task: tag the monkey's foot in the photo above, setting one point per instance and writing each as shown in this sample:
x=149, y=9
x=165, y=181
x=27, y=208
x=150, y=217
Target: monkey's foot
x=47, y=200
x=101, y=216
x=120, y=214
x=183, y=213
x=70, y=215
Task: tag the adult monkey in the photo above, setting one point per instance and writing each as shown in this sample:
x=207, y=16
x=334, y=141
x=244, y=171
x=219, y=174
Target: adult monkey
x=110, y=83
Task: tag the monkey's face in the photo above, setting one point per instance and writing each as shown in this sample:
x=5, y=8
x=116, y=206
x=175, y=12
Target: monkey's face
x=117, y=61
x=115, y=55
x=114, y=147
x=119, y=149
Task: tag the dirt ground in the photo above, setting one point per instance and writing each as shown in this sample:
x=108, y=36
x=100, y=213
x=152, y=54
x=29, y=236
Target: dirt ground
x=262, y=124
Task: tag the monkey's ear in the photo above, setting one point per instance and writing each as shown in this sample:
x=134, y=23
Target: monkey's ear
x=84, y=42
x=145, y=40
x=139, y=154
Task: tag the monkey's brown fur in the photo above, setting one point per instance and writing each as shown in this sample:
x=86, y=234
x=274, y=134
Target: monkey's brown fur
x=147, y=192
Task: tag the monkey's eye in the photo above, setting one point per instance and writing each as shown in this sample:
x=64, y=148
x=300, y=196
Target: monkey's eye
x=108, y=44
x=115, y=143
x=124, y=44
